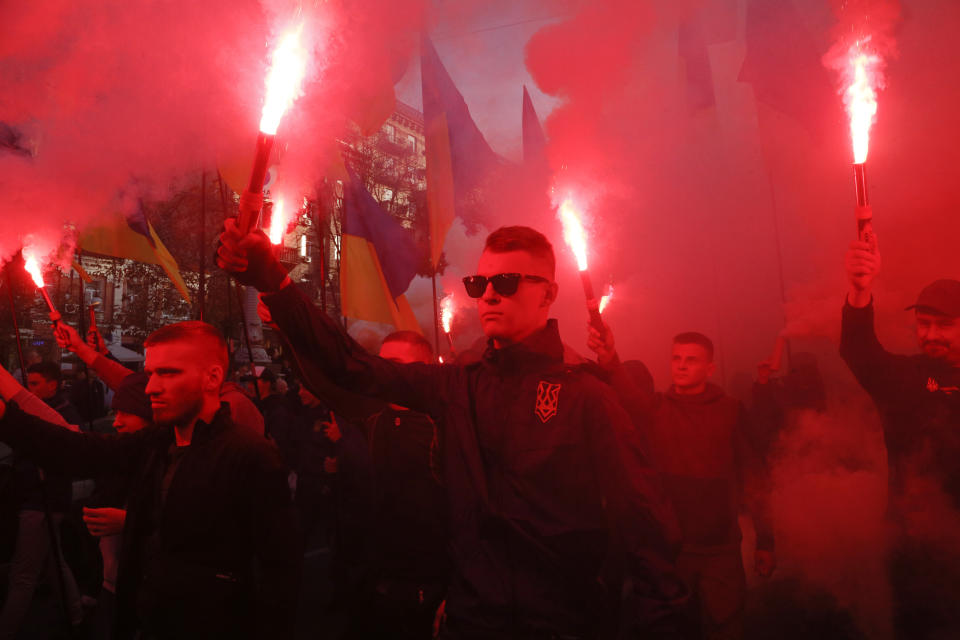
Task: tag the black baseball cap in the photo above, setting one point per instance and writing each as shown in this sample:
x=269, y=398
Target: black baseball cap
x=941, y=297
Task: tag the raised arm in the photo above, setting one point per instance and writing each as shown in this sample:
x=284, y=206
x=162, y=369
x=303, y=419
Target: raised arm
x=318, y=343
x=12, y=391
x=877, y=370
x=110, y=371
x=635, y=392
x=65, y=452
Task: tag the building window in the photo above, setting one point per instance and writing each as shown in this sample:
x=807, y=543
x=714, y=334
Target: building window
x=412, y=142
x=303, y=246
x=390, y=131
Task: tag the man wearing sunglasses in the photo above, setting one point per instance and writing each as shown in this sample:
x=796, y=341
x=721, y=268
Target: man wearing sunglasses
x=556, y=529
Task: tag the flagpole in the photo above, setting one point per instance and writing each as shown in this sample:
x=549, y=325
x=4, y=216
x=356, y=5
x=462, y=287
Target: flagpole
x=436, y=314
x=202, y=290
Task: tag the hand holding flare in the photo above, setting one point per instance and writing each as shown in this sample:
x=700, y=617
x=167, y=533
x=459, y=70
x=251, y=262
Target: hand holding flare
x=283, y=86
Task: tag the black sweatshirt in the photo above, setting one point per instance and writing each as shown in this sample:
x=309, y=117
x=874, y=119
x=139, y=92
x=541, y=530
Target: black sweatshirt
x=918, y=398
x=542, y=472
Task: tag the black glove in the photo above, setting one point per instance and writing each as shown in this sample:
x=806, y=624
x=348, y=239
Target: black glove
x=264, y=271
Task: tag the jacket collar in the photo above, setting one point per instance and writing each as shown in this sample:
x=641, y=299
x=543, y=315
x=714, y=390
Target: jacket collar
x=710, y=394
x=203, y=431
x=543, y=347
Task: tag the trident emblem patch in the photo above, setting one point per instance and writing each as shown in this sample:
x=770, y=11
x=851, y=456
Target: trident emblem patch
x=548, y=396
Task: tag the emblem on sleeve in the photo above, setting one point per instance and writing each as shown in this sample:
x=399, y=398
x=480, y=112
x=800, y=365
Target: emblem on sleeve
x=548, y=396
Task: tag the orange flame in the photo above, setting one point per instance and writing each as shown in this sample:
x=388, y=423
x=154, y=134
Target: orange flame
x=860, y=97
x=32, y=265
x=606, y=298
x=286, y=74
x=573, y=233
x=278, y=222
x=447, y=312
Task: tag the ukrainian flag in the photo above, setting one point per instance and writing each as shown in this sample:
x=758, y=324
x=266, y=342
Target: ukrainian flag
x=134, y=238
x=459, y=160
x=378, y=260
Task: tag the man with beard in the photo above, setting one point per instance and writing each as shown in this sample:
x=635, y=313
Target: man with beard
x=918, y=398
x=556, y=529
x=209, y=540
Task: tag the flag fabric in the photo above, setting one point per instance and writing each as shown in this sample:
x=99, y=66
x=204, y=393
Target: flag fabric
x=692, y=46
x=134, y=238
x=783, y=62
x=534, y=140
x=378, y=260
x=459, y=160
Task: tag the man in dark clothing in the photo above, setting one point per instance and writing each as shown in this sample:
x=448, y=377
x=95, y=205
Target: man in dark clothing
x=554, y=518
x=273, y=405
x=87, y=395
x=918, y=398
x=40, y=495
x=105, y=511
x=406, y=568
x=701, y=441
x=210, y=546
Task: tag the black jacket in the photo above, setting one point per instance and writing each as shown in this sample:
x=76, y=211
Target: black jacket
x=918, y=398
x=220, y=559
x=549, y=494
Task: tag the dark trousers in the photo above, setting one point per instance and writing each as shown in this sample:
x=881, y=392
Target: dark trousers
x=719, y=589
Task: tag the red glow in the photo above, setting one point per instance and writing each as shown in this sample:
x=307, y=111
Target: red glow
x=573, y=232
x=287, y=69
x=278, y=222
x=447, y=311
x=606, y=298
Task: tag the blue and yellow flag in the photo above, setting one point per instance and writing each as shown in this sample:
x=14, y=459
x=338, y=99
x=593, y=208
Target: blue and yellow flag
x=378, y=260
x=459, y=159
x=134, y=238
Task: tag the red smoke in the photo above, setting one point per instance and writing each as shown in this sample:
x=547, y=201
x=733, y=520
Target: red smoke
x=114, y=96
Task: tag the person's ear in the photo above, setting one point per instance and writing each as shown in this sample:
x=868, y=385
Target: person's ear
x=550, y=296
x=214, y=377
x=711, y=368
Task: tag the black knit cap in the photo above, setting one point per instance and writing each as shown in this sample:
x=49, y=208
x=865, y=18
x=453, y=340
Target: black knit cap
x=131, y=396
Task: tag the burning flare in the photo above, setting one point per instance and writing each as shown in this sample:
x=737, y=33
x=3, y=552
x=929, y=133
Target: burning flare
x=278, y=222
x=286, y=74
x=860, y=97
x=606, y=298
x=32, y=265
x=446, y=313
x=573, y=233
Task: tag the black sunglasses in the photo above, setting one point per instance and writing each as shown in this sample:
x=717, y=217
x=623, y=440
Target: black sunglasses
x=505, y=284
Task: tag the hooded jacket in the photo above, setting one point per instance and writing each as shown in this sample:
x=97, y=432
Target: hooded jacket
x=705, y=447
x=549, y=495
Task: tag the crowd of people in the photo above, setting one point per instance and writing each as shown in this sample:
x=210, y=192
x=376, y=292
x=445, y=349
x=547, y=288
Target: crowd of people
x=523, y=492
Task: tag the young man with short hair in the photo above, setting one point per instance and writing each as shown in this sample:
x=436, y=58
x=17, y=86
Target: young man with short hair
x=918, y=397
x=210, y=547
x=703, y=444
x=556, y=529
